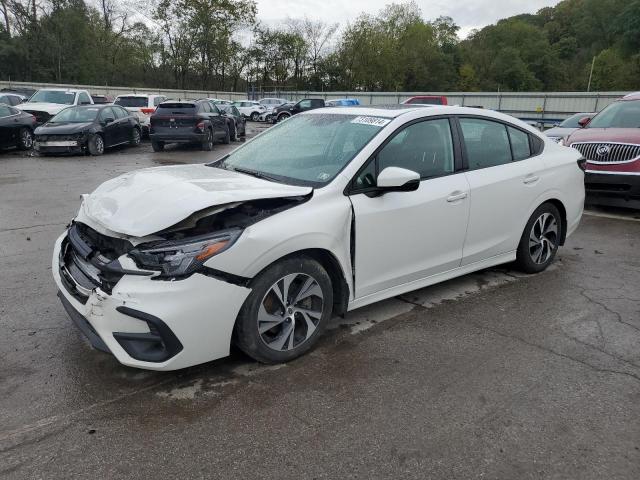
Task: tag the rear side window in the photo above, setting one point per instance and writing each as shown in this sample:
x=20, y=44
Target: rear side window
x=158, y=100
x=486, y=142
x=132, y=102
x=5, y=111
x=120, y=112
x=519, y=143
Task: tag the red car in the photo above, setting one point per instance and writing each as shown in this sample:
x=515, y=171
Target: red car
x=610, y=142
x=426, y=100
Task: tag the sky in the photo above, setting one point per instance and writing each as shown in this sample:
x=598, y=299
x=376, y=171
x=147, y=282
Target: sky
x=468, y=14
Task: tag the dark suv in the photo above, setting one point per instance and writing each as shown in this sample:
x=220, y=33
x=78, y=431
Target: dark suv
x=611, y=144
x=287, y=110
x=185, y=121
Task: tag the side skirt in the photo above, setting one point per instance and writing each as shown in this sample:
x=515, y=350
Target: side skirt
x=432, y=280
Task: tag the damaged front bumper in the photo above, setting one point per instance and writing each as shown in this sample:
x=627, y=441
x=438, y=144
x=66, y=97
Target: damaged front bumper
x=145, y=322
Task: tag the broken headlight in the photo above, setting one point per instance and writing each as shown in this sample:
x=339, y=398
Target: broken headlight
x=181, y=258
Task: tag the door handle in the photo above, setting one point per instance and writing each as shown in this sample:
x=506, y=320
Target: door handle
x=455, y=196
x=529, y=179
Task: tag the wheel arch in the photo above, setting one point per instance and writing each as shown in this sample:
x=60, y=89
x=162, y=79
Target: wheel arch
x=333, y=268
x=563, y=217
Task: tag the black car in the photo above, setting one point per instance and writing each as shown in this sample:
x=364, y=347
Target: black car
x=16, y=128
x=11, y=99
x=184, y=121
x=88, y=129
x=287, y=110
x=239, y=128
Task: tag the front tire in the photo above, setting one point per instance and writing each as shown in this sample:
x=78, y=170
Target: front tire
x=254, y=116
x=96, y=145
x=540, y=240
x=25, y=139
x=282, y=117
x=286, y=312
x=157, y=146
x=232, y=131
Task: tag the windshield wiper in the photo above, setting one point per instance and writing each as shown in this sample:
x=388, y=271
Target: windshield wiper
x=254, y=173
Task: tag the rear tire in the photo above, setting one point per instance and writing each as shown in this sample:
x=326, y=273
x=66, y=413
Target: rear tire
x=272, y=332
x=157, y=146
x=207, y=144
x=540, y=240
x=96, y=145
x=25, y=139
x=227, y=137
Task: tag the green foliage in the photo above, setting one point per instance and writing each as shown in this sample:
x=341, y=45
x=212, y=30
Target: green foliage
x=217, y=45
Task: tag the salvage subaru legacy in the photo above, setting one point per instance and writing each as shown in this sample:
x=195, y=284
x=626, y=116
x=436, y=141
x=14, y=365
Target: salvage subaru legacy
x=329, y=211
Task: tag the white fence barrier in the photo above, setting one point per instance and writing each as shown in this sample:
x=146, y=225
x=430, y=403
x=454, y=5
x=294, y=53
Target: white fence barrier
x=540, y=107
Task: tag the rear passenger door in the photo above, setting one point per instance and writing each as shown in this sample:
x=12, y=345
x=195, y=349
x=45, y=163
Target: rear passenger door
x=505, y=179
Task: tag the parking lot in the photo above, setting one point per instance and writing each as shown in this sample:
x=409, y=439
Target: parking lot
x=493, y=375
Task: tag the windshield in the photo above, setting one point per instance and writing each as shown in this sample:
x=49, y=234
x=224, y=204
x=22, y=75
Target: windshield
x=132, y=102
x=618, y=115
x=572, y=121
x=306, y=149
x=53, y=96
x=76, y=115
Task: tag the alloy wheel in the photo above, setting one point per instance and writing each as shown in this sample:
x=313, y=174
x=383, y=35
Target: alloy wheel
x=27, y=139
x=99, y=143
x=290, y=312
x=543, y=238
x=136, y=136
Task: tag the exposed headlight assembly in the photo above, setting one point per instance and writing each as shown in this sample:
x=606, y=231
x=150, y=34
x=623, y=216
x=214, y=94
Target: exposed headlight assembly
x=175, y=259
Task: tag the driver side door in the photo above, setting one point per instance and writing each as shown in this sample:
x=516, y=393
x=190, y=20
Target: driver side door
x=402, y=237
x=109, y=124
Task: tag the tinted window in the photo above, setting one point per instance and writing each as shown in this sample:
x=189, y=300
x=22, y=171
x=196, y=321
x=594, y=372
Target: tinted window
x=519, y=143
x=132, y=102
x=425, y=147
x=486, y=142
x=425, y=101
x=5, y=111
x=169, y=108
x=317, y=103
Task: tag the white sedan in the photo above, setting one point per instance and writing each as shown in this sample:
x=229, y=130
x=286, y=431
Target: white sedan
x=329, y=211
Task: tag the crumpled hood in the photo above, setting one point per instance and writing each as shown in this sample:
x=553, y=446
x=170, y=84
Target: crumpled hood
x=51, y=108
x=147, y=201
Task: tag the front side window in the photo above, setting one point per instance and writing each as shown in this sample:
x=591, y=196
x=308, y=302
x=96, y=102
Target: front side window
x=107, y=113
x=486, y=142
x=120, y=112
x=83, y=99
x=317, y=148
x=304, y=104
x=425, y=147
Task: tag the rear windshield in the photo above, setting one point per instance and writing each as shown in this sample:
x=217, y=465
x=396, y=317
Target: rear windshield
x=618, y=115
x=176, y=108
x=425, y=101
x=53, y=96
x=133, y=102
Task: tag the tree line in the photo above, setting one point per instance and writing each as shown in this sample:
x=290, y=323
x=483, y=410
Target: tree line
x=220, y=45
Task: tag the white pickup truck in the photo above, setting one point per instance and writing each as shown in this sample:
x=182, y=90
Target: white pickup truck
x=48, y=102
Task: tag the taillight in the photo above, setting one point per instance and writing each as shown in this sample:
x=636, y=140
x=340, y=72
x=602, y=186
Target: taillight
x=33, y=120
x=147, y=111
x=582, y=164
x=200, y=126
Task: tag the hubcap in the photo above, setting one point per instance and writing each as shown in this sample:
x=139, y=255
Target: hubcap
x=99, y=144
x=290, y=312
x=543, y=238
x=136, y=136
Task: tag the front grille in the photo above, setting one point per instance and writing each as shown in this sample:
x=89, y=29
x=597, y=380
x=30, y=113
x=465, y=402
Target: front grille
x=90, y=258
x=608, y=152
x=56, y=138
x=41, y=117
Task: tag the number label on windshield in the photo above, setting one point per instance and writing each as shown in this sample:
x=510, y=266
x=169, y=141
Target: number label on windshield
x=375, y=121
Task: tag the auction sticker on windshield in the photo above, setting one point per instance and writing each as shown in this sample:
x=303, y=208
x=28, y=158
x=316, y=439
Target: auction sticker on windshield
x=377, y=121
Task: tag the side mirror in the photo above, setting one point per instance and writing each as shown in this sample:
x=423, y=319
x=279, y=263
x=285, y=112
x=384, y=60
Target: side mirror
x=108, y=120
x=396, y=179
x=584, y=121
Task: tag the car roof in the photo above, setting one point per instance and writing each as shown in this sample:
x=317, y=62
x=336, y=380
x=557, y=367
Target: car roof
x=70, y=90
x=389, y=111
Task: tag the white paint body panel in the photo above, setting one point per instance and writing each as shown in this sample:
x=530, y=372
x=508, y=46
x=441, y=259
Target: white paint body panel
x=450, y=226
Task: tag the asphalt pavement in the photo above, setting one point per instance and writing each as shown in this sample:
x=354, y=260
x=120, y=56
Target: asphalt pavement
x=494, y=375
